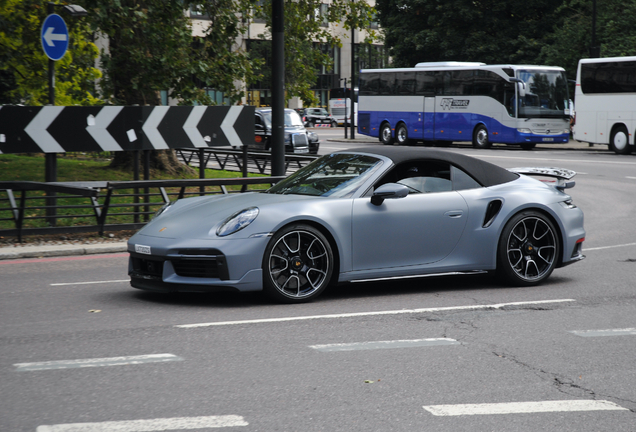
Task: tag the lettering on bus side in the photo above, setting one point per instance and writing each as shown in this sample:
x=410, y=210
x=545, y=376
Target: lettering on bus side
x=450, y=103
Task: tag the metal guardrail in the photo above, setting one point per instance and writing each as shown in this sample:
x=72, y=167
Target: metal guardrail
x=114, y=203
x=241, y=160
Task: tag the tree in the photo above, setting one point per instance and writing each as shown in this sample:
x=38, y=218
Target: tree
x=489, y=31
x=572, y=39
x=24, y=66
x=309, y=38
x=151, y=48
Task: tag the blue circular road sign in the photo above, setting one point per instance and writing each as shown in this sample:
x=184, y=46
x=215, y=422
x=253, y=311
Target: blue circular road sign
x=54, y=37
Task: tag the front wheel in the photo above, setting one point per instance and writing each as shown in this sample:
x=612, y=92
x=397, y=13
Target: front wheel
x=528, y=249
x=297, y=265
x=386, y=135
x=334, y=124
x=480, y=137
x=619, y=141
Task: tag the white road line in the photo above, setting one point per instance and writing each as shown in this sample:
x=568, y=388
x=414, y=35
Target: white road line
x=610, y=247
x=609, y=332
x=523, y=407
x=384, y=344
x=359, y=314
x=631, y=178
x=89, y=283
x=160, y=424
x=96, y=362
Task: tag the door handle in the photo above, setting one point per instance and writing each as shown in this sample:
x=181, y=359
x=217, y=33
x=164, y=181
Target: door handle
x=454, y=213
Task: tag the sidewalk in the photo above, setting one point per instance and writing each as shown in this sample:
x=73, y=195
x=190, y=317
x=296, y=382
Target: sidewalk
x=57, y=250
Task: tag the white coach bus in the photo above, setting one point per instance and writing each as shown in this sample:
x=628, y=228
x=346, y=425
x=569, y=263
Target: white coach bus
x=605, y=102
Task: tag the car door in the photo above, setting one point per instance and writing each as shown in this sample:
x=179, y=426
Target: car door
x=421, y=228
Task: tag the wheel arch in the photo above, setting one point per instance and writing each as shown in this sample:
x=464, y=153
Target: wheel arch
x=630, y=136
x=555, y=222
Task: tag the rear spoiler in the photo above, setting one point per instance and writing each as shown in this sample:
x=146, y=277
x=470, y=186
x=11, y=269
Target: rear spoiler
x=563, y=176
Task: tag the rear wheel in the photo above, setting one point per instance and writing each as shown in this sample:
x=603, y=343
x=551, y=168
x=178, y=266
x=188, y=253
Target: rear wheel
x=334, y=124
x=402, y=135
x=297, y=265
x=528, y=249
x=386, y=134
x=619, y=141
x=480, y=137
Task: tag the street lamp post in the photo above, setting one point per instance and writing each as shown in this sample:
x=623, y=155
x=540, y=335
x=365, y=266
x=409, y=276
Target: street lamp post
x=50, y=159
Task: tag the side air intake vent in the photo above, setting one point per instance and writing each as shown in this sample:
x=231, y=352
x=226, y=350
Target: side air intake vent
x=491, y=212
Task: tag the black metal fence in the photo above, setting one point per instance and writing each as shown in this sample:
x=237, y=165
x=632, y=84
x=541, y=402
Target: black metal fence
x=102, y=206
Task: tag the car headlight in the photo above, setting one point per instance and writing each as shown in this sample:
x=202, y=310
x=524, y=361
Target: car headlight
x=237, y=221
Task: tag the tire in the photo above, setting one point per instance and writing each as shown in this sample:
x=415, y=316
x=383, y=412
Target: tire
x=311, y=124
x=528, y=249
x=386, y=135
x=619, y=141
x=480, y=137
x=402, y=135
x=528, y=146
x=334, y=124
x=297, y=265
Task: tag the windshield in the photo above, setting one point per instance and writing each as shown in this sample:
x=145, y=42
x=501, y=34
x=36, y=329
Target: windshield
x=291, y=118
x=336, y=175
x=546, y=94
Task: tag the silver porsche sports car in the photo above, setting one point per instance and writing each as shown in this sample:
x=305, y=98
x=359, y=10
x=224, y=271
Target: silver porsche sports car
x=365, y=215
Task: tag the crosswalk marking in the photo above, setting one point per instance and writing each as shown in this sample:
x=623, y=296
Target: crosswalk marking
x=384, y=344
x=161, y=424
x=609, y=332
x=96, y=362
x=523, y=407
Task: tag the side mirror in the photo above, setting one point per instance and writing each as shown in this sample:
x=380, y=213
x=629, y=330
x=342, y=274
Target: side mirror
x=521, y=86
x=388, y=191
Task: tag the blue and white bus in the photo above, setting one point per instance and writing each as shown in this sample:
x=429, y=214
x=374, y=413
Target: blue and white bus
x=443, y=102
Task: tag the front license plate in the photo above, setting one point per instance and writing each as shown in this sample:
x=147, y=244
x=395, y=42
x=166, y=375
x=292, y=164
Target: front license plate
x=142, y=249
x=548, y=139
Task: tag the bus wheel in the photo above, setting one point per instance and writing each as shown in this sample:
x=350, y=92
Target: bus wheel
x=480, y=137
x=619, y=141
x=402, y=135
x=385, y=134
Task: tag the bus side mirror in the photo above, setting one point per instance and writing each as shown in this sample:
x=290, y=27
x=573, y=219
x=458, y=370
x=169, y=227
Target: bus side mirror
x=521, y=86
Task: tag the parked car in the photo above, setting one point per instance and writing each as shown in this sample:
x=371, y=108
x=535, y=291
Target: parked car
x=313, y=117
x=297, y=139
x=375, y=213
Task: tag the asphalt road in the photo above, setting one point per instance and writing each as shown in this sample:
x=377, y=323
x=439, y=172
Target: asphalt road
x=79, y=346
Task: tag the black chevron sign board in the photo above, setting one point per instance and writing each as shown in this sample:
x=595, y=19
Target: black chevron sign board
x=53, y=129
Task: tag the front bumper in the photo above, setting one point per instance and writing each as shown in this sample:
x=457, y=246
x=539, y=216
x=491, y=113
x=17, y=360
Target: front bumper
x=172, y=265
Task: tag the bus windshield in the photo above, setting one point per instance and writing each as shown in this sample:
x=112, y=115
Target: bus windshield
x=546, y=94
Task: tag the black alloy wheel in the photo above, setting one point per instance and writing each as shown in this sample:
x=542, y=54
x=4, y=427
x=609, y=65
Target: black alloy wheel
x=297, y=265
x=528, y=249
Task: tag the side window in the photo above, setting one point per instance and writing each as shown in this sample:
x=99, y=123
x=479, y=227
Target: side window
x=422, y=176
x=462, y=181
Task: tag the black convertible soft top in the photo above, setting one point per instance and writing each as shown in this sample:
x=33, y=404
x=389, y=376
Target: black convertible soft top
x=485, y=173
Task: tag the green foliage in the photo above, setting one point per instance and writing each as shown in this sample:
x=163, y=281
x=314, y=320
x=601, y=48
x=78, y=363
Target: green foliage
x=304, y=26
x=491, y=31
x=151, y=48
x=24, y=66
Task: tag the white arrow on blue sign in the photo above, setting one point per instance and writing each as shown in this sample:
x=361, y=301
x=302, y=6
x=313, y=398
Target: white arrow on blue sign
x=54, y=37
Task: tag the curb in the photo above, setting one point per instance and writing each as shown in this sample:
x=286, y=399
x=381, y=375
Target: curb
x=10, y=253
